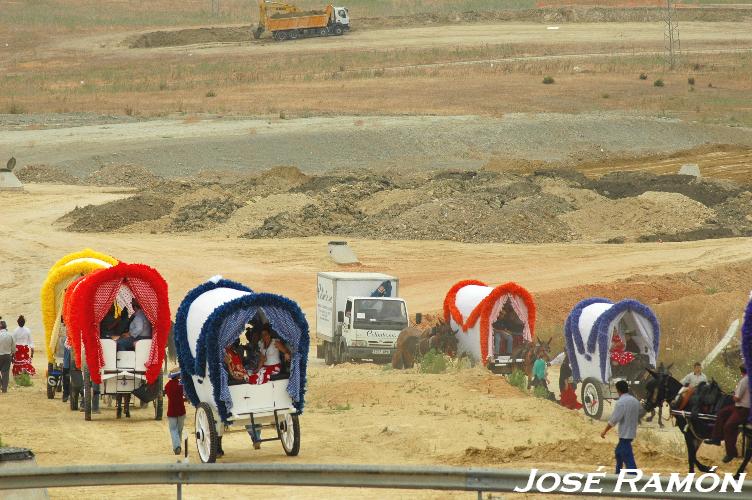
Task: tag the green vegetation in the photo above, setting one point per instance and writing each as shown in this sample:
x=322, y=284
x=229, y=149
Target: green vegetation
x=518, y=379
x=341, y=407
x=548, y=80
x=658, y=83
x=643, y=76
x=23, y=380
x=433, y=362
x=540, y=392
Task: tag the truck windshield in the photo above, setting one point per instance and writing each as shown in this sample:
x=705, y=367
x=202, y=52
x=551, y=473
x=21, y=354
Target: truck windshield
x=379, y=314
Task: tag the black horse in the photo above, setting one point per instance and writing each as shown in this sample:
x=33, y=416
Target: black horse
x=660, y=389
x=696, y=419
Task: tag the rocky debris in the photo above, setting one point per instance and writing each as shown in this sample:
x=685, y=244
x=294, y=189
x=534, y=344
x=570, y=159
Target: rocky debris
x=117, y=214
x=123, y=176
x=628, y=184
x=45, y=174
x=204, y=214
x=483, y=206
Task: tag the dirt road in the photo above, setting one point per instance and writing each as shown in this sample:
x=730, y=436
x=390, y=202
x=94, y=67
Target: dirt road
x=404, y=418
x=178, y=147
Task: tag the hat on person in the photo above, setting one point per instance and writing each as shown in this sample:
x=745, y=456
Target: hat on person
x=174, y=372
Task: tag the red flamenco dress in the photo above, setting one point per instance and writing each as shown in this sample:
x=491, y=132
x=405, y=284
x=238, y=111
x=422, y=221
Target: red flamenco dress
x=569, y=398
x=619, y=355
x=22, y=361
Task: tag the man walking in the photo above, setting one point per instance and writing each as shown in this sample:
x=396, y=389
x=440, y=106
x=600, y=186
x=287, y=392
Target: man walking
x=7, y=349
x=626, y=414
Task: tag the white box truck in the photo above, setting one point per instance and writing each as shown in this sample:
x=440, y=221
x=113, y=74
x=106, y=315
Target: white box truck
x=358, y=316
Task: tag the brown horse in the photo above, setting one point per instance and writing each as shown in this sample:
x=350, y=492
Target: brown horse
x=413, y=342
x=530, y=351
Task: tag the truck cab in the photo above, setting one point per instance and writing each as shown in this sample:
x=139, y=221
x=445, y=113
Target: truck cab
x=370, y=327
x=342, y=17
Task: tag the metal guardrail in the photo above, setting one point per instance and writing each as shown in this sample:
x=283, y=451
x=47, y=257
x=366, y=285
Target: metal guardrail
x=471, y=479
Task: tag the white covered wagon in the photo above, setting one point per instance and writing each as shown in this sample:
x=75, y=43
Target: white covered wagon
x=211, y=318
x=607, y=342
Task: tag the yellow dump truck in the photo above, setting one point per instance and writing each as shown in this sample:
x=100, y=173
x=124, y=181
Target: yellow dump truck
x=286, y=21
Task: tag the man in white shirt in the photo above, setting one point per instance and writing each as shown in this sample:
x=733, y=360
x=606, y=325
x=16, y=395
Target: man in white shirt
x=140, y=328
x=7, y=349
x=731, y=417
x=627, y=415
x=695, y=378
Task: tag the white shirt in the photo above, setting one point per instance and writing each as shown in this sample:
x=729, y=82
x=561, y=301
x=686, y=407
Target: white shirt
x=140, y=328
x=7, y=344
x=271, y=353
x=22, y=336
x=742, y=392
x=694, y=380
x=627, y=414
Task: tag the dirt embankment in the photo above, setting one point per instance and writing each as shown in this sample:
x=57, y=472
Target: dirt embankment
x=234, y=34
x=544, y=206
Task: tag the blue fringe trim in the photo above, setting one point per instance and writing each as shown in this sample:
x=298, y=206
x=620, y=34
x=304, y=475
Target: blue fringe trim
x=211, y=349
x=600, y=333
x=747, y=343
x=185, y=358
x=572, y=337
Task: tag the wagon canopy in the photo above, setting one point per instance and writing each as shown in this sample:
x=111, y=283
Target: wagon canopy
x=60, y=276
x=212, y=316
x=91, y=297
x=473, y=306
x=747, y=340
x=589, y=333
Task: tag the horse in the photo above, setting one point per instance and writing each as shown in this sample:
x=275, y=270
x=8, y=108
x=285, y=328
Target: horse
x=413, y=342
x=706, y=399
x=661, y=388
x=531, y=351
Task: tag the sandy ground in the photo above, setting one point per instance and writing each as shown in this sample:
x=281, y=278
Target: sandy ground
x=355, y=413
x=436, y=36
x=172, y=147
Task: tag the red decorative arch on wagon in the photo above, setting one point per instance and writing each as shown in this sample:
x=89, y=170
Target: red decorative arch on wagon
x=92, y=297
x=469, y=301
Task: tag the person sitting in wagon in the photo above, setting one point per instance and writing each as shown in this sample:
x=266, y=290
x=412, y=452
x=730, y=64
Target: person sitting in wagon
x=619, y=355
x=139, y=327
x=270, y=362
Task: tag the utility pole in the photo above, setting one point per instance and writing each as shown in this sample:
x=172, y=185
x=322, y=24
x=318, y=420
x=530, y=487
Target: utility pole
x=671, y=35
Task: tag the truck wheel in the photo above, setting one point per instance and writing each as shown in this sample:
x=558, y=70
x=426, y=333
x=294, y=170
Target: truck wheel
x=592, y=398
x=323, y=32
x=328, y=353
x=338, y=30
x=293, y=35
x=280, y=36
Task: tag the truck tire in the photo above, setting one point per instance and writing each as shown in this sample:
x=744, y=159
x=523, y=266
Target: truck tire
x=293, y=34
x=328, y=353
x=280, y=36
x=323, y=32
x=338, y=30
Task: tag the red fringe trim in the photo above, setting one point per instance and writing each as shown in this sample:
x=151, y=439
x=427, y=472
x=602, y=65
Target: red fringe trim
x=484, y=308
x=86, y=327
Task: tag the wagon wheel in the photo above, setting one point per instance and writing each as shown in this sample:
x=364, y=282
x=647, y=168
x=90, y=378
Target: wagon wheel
x=592, y=398
x=207, y=440
x=51, y=383
x=159, y=401
x=289, y=433
x=87, y=394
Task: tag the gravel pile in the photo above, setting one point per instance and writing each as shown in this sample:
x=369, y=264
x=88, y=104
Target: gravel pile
x=123, y=176
x=45, y=174
x=547, y=206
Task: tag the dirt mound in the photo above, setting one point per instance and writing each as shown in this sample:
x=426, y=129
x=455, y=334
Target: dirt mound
x=574, y=451
x=123, y=176
x=45, y=174
x=204, y=214
x=117, y=214
x=630, y=218
x=280, y=179
x=189, y=36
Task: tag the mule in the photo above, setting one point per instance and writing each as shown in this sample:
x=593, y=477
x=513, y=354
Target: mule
x=413, y=342
x=661, y=389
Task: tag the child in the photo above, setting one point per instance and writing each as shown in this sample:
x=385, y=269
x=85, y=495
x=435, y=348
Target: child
x=175, y=408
